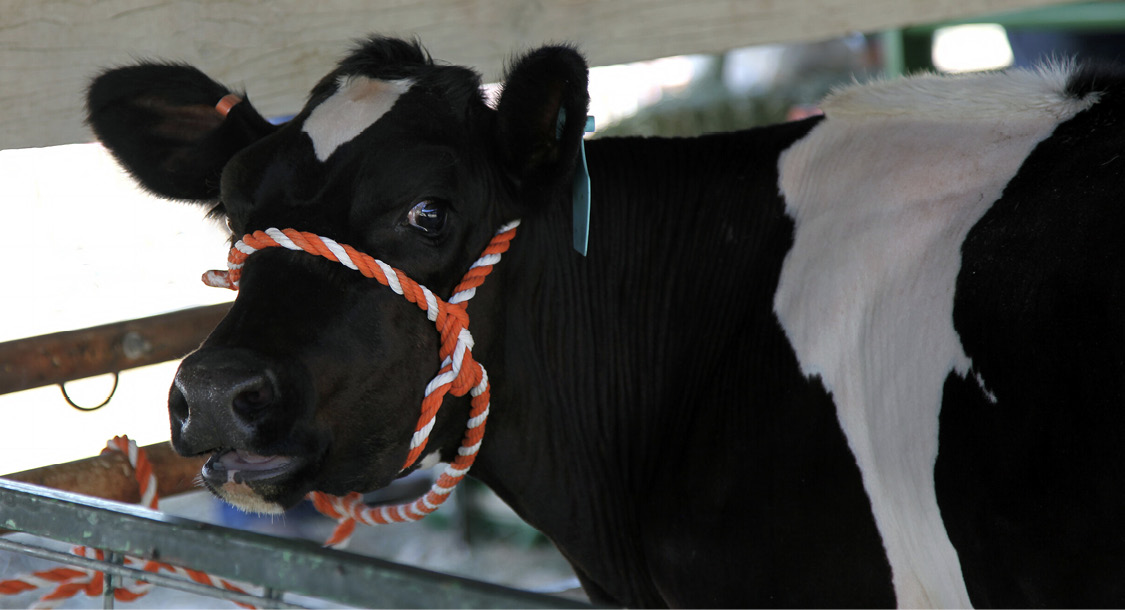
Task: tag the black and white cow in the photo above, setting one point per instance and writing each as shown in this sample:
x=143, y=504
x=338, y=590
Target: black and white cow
x=872, y=358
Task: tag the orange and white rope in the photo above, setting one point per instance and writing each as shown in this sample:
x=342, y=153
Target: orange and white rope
x=459, y=373
x=142, y=468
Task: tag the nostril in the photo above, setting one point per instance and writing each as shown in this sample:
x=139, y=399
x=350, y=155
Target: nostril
x=232, y=398
x=177, y=404
x=253, y=396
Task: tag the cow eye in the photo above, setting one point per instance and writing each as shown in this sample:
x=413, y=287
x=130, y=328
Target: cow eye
x=428, y=216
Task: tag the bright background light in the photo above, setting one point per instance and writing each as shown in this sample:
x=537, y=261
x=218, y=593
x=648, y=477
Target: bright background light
x=83, y=247
x=620, y=91
x=970, y=48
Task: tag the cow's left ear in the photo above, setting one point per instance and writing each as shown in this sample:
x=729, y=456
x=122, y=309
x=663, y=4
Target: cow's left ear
x=171, y=126
x=542, y=117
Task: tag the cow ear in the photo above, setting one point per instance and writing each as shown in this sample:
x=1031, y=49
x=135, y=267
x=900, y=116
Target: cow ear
x=163, y=122
x=541, y=117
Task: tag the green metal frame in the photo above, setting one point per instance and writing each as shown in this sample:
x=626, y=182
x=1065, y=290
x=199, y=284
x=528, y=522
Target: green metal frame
x=1072, y=16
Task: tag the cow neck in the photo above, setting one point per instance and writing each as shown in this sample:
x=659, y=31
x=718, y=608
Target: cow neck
x=460, y=373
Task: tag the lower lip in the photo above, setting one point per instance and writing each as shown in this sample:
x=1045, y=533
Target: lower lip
x=245, y=467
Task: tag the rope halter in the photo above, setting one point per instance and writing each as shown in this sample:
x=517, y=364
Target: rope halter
x=459, y=372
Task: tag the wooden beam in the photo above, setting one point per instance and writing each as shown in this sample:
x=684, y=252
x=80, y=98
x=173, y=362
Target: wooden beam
x=277, y=49
x=76, y=354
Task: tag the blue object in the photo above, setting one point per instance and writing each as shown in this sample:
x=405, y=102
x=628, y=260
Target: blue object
x=581, y=194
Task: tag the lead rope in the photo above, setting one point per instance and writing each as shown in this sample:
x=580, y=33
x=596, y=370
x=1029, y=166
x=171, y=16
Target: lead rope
x=460, y=373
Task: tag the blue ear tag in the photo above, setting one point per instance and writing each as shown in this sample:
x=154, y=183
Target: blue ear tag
x=581, y=210
x=580, y=214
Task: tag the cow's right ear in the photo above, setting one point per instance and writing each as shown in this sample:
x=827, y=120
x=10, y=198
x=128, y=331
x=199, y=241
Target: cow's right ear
x=164, y=124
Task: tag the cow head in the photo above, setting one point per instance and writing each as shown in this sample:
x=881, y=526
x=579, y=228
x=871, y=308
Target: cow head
x=314, y=379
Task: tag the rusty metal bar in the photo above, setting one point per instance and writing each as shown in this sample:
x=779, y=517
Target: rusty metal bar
x=77, y=354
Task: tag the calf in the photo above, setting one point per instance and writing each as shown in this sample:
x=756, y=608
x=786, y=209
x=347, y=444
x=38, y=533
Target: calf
x=872, y=358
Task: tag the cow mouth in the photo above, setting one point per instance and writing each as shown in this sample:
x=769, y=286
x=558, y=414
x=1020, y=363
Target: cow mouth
x=239, y=466
x=253, y=482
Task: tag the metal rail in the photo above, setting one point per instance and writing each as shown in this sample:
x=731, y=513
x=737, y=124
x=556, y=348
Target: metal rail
x=162, y=580
x=278, y=564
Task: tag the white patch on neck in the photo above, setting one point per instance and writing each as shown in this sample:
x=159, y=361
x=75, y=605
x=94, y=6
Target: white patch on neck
x=357, y=104
x=430, y=460
x=883, y=193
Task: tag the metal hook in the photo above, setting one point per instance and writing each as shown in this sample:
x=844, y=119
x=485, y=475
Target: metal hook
x=62, y=386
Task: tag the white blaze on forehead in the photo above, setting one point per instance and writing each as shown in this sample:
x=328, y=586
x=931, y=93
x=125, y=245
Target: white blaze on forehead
x=356, y=105
x=883, y=192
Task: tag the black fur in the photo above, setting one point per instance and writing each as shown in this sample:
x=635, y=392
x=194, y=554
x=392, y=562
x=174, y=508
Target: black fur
x=1029, y=485
x=160, y=121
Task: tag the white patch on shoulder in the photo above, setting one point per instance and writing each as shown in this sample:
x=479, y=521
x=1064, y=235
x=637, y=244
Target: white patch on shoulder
x=357, y=104
x=883, y=193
